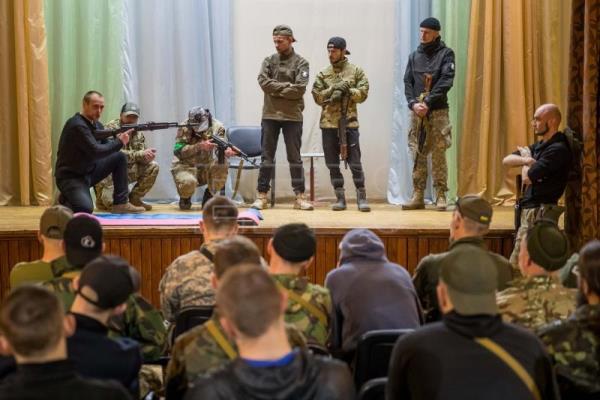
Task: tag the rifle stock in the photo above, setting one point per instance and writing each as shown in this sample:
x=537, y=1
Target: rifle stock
x=422, y=133
x=343, y=131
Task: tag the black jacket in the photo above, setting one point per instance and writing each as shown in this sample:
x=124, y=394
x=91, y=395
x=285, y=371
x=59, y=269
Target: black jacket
x=78, y=150
x=442, y=361
x=57, y=381
x=307, y=377
x=550, y=173
x=435, y=59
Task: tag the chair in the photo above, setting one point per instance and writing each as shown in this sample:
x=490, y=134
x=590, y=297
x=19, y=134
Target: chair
x=373, y=389
x=249, y=140
x=318, y=350
x=373, y=354
x=190, y=317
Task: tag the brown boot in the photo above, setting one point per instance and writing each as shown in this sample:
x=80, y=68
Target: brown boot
x=440, y=203
x=138, y=202
x=126, y=208
x=417, y=202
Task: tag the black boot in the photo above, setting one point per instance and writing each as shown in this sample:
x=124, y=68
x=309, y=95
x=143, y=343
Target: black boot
x=340, y=204
x=361, y=199
x=185, y=203
x=207, y=196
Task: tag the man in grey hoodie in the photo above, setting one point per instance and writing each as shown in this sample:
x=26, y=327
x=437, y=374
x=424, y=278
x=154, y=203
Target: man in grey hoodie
x=368, y=293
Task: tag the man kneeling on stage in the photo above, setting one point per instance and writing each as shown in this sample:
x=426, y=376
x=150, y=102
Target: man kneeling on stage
x=83, y=161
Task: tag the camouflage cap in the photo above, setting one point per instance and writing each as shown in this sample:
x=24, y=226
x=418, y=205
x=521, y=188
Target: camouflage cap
x=547, y=245
x=283, y=30
x=130, y=109
x=475, y=208
x=54, y=221
x=200, y=115
x=470, y=274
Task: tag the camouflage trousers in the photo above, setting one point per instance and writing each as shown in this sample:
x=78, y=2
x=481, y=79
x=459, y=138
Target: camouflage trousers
x=210, y=173
x=439, y=138
x=143, y=174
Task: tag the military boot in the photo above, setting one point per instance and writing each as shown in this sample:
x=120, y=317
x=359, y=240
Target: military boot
x=126, y=208
x=440, y=203
x=340, y=204
x=301, y=203
x=207, y=196
x=417, y=202
x=185, y=203
x=138, y=202
x=261, y=202
x=361, y=200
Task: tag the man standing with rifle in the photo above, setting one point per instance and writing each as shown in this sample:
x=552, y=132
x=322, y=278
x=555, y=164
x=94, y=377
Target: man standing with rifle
x=430, y=130
x=141, y=167
x=338, y=88
x=82, y=160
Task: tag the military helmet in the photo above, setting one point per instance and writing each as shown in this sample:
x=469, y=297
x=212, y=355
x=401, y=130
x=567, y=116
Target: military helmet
x=202, y=116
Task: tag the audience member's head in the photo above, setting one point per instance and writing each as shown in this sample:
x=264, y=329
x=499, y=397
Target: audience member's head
x=544, y=249
x=250, y=302
x=232, y=252
x=361, y=244
x=472, y=217
x=83, y=240
x=52, y=228
x=33, y=326
x=589, y=274
x=104, y=286
x=291, y=249
x=219, y=218
x=468, y=281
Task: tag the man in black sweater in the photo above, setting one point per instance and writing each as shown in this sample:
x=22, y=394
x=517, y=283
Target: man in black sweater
x=471, y=353
x=82, y=160
x=34, y=330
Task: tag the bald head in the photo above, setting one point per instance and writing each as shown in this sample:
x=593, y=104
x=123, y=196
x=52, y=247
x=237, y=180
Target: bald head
x=546, y=120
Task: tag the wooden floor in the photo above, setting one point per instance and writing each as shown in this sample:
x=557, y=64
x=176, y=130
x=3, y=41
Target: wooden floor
x=407, y=235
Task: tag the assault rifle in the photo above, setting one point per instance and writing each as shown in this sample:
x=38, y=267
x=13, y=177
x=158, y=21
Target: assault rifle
x=223, y=145
x=101, y=134
x=421, y=132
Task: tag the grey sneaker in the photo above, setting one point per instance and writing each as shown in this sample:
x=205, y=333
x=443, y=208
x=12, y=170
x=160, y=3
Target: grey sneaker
x=302, y=204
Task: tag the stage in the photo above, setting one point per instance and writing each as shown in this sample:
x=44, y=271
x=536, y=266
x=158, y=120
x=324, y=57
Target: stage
x=408, y=236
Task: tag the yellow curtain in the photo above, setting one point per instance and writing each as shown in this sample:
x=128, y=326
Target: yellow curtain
x=25, y=164
x=517, y=60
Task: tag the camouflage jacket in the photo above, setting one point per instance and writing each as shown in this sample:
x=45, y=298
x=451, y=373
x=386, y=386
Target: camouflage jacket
x=314, y=325
x=136, y=146
x=283, y=79
x=185, y=150
x=536, y=301
x=187, y=282
x=574, y=346
x=141, y=321
x=322, y=91
x=197, y=352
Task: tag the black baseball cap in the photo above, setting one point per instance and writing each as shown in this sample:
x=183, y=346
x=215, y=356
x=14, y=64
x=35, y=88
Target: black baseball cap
x=338, y=43
x=83, y=239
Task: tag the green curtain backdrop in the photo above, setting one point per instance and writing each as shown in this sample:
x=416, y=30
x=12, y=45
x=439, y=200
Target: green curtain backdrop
x=84, y=53
x=454, y=17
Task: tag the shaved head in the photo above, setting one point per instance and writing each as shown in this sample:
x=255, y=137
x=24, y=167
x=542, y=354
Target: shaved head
x=546, y=119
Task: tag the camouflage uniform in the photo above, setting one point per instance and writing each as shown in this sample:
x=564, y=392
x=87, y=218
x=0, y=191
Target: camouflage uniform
x=197, y=352
x=187, y=282
x=315, y=328
x=574, y=346
x=192, y=167
x=536, y=301
x=139, y=171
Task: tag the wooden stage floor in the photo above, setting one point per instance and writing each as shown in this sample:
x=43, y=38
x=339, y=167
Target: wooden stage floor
x=407, y=235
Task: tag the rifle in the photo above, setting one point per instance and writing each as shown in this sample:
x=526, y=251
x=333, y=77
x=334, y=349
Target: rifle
x=342, y=132
x=421, y=124
x=223, y=145
x=101, y=134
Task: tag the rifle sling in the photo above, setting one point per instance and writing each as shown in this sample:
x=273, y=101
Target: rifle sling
x=305, y=304
x=220, y=339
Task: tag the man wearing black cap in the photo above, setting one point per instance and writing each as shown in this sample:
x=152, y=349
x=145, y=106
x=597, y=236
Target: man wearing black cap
x=538, y=297
x=283, y=78
x=471, y=353
x=82, y=160
x=470, y=223
x=430, y=124
x=141, y=167
x=338, y=89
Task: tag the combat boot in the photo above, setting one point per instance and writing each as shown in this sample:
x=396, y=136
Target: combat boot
x=417, y=202
x=126, y=208
x=138, y=202
x=361, y=200
x=340, y=204
x=185, y=203
x=440, y=203
x=207, y=196
x=261, y=202
x=301, y=203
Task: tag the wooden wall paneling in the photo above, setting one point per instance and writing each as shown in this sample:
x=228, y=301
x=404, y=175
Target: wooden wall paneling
x=413, y=254
x=4, y=264
x=156, y=272
x=186, y=245
x=125, y=248
x=146, y=268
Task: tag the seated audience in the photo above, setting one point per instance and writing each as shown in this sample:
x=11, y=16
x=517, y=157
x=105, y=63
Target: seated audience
x=538, y=297
x=471, y=353
x=186, y=281
x=291, y=250
x=470, y=223
x=252, y=312
x=140, y=321
x=368, y=293
x=34, y=329
x=574, y=344
x=52, y=228
x=102, y=290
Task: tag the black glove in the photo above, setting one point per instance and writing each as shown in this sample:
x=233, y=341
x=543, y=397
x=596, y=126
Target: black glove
x=336, y=96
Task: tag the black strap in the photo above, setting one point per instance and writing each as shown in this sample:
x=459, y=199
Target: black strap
x=206, y=253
